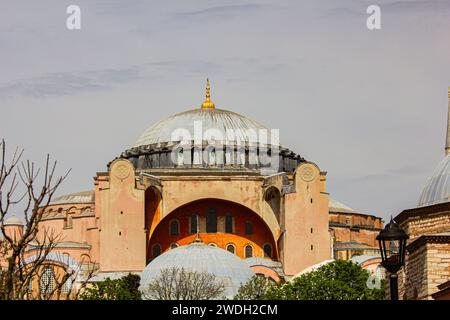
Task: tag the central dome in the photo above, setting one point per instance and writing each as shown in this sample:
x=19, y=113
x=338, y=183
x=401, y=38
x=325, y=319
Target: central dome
x=211, y=138
x=209, y=118
x=227, y=267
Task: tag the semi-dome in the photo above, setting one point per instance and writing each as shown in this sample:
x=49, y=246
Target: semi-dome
x=437, y=188
x=200, y=257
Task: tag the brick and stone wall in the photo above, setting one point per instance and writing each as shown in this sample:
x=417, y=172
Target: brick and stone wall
x=426, y=267
x=430, y=224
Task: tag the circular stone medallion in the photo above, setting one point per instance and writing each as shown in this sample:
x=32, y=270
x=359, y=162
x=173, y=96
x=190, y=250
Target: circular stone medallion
x=307, y=172
x=122, y=171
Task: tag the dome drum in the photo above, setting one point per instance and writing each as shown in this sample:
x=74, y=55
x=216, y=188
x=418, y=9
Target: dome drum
x=172, y=155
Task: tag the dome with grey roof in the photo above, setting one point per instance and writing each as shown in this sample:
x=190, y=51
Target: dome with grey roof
x=223, y=121
x=437, y=188
x=13, y=221
x=211, y=138
x=75, y=198
x=199, y=257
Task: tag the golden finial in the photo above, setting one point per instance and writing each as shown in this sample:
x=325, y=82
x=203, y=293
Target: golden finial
x=208, y=104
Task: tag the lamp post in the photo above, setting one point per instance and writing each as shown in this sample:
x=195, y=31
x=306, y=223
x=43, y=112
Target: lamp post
x=393, y=257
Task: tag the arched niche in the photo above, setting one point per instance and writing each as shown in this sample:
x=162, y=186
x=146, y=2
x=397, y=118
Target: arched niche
x=272, y=197
x=152, y=213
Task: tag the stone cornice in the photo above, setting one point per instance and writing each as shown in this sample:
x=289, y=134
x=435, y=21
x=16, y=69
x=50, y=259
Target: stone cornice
x=422, y=240
x=422, y=211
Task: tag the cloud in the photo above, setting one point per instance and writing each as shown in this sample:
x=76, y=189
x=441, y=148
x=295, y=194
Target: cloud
x=68, y=83
x=222, y=11
x=72, y=83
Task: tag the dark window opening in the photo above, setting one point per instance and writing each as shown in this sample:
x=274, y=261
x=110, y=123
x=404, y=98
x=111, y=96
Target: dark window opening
x=194, y=220
x=211, y=221
x=229, y=223
x=231, y=248
x=156, y=250
x=174, y=228
x=248, y=227
x=248, y=251
x=267, y=251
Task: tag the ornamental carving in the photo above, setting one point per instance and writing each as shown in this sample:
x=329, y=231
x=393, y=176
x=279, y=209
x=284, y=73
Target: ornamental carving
x=307, y=172
x=122, y=171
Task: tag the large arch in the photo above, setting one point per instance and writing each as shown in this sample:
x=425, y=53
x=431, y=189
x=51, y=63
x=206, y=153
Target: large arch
x=198, y=211
x=176, y=198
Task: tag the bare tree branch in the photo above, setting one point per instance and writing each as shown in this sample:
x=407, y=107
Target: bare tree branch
x=23, y=256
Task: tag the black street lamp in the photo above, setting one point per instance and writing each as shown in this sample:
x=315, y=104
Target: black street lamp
x=392, y=255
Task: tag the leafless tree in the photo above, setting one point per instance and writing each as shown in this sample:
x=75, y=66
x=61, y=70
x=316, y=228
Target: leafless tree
x=180, y=284
x=23, y=256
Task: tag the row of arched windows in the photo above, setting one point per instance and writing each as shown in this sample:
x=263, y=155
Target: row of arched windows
x=231, y=247
x=211, y=224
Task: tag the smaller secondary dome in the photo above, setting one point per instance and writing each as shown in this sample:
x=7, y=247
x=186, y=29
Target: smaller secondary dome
x=437, y=188
x=336, y=206
x=227, y=267
x=78, y=197
x=13, y=221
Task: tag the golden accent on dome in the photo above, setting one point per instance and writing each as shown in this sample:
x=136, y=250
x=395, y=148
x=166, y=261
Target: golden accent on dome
x=208, y=104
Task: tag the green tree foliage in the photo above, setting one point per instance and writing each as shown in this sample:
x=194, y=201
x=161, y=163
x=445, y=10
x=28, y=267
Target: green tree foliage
x=257, y=288
x=338, y=280
x=125, y=288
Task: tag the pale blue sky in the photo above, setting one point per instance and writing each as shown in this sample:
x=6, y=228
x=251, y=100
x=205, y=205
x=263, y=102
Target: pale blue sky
x=369, y=107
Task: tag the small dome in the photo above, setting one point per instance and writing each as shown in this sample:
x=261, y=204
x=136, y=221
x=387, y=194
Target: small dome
x=210, y=118
x=78, y=197
x=336, y=206
x=13, y=221
x=227, y=267
x=437, y=188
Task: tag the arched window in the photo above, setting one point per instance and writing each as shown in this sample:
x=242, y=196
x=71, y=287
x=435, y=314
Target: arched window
x=231, y=248
x=67, y=286
x=229, y=223
x=174, y=228
x=212, y=244
x=68, y=220
x=248, y=227
x=47, y=280
x=248, y=251
x=156, y=250
x=267, y=250
x=194, y=223
x=173, y=245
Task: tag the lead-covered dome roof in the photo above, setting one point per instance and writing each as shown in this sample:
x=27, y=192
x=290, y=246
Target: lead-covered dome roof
x=200, y=257
x=211, y=138
x=210, y=118
x=437, y=188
